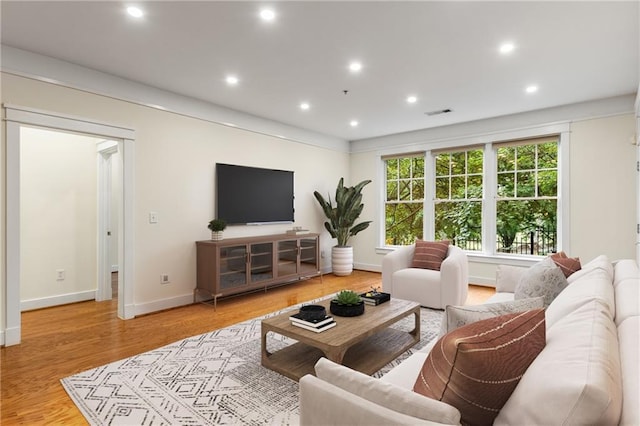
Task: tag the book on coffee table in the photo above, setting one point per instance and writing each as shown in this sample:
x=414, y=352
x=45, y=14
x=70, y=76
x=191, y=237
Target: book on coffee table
x=318, y=329
x=375, y=298
x=297, y=318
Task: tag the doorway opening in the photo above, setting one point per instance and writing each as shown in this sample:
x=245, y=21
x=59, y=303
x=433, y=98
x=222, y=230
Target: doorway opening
x=120, y=143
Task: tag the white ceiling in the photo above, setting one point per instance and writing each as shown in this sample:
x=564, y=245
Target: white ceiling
x=445, y=53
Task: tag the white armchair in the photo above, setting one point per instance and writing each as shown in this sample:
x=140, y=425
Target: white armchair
x=432, y=289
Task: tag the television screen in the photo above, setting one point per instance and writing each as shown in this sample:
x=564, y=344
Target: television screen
x=251, y=195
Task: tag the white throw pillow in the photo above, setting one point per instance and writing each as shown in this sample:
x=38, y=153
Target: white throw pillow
x=542, y=279
x=457, y=316
x=386, y=394
x=507, y=277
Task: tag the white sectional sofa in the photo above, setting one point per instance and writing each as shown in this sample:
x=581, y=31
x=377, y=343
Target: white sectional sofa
x=587, y=374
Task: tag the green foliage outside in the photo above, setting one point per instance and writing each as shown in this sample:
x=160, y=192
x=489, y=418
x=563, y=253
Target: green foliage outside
x=404, y=211
x=524, y=172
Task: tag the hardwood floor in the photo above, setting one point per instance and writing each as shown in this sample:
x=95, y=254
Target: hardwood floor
x=61, y=341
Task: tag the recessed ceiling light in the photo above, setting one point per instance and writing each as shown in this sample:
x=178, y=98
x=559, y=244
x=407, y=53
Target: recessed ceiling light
x=304, y=106
x=232, y=80
x=136, y=12
x=506, y=48
x=355, y=66
x=531, y=89
x=412, y=99
x=267, y=15
x=353, y=123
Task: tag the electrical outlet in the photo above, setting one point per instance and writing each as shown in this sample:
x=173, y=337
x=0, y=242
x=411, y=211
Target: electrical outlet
x=322, y=254
x=61, y=274
x=153, y=217
x=164, y=279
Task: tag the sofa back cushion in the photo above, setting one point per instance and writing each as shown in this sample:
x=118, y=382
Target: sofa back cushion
x=576, y=379
x=594, y=283
x=476, y=367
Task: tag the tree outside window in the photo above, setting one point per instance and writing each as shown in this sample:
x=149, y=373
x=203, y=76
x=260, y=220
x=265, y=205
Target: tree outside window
x=404, y=204
x=527, y=198
x=458, y=198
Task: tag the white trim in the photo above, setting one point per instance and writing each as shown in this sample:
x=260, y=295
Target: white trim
x=62, y=299
x=41, y=118
x=12, y=251
x=162, y=304
x=16, y=117
x=484, y=129
x=55, y=71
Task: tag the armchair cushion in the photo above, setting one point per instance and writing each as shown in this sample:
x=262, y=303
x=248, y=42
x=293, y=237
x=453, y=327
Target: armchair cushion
x=429, y=254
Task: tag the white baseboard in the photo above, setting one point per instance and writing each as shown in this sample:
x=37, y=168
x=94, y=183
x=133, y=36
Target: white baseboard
x=160, y=305
x=11, y=336
x=114, y=268
x=62, y=299
x=483, y=281
x=367, y=267
x=1, y=337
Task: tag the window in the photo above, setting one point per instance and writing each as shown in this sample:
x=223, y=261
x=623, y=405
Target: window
x=527, y=197
x=498, y=198
x=458, y=198
x=404, y=204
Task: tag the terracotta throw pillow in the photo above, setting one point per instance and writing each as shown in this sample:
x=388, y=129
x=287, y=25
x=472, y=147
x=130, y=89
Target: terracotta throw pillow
x=475, y=368
x=568, y=265
x=429, y=254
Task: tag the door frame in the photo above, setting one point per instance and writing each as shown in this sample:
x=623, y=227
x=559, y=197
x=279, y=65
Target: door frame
x=106, y=149
x=16, y=117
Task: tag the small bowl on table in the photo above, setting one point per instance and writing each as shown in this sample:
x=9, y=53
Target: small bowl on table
x=313, y=312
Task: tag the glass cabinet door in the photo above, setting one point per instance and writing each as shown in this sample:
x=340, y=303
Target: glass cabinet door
x=287, y=257
x=308, y=256
x=261, y=262
x=233, y=267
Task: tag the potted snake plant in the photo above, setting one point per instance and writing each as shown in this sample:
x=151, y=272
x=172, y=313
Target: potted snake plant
x=341, y=223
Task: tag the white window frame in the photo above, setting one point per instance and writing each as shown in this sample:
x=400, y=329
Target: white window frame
x=489, y=141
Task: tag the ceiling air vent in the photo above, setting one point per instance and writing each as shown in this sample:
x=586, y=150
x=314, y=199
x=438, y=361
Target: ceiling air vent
x=438, y=112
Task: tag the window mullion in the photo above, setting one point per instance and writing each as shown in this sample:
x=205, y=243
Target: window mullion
x=490, y=171
x=429, y=195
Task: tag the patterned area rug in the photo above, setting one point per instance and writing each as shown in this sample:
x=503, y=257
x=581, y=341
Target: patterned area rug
x=213, y=378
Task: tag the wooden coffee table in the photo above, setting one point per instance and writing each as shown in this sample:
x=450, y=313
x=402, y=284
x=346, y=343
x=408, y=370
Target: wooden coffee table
x=365, y=343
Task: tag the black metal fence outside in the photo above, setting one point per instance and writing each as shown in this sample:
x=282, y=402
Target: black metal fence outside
x=540, y=241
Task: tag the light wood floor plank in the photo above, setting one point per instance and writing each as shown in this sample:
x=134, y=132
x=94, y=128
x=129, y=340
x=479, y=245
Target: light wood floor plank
x=61, y=341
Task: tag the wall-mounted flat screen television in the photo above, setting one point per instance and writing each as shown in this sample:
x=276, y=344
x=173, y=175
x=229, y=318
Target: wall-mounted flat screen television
x=252, y=195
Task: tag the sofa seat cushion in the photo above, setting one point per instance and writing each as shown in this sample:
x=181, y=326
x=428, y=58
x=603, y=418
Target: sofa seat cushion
x=420, y=285
x=476, y=367
x=500, y=297
x=385, y=394
x=576, y=379
x=629, y=335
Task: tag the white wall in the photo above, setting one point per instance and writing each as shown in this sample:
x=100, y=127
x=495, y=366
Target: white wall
x=603, y=196
x=58, y=216
x=175, y=158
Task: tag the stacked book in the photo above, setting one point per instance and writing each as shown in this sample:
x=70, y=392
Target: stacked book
x=313, y=325
x=375, y=298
